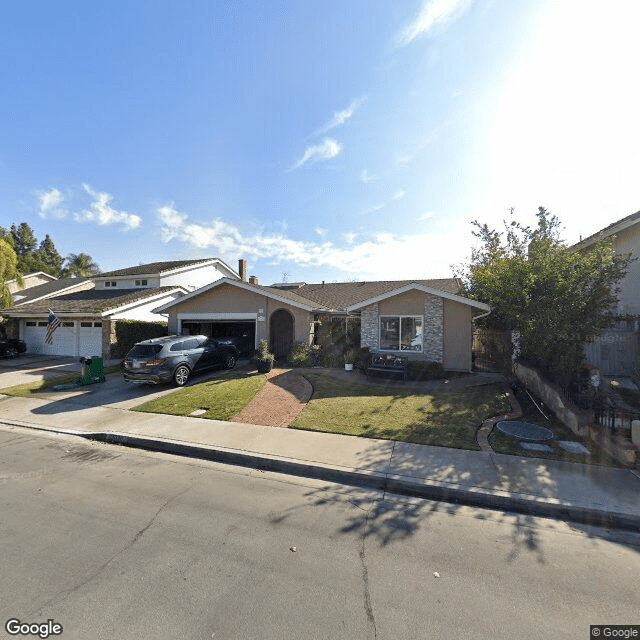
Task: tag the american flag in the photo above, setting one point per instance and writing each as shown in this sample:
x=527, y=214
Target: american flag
x=53, y=323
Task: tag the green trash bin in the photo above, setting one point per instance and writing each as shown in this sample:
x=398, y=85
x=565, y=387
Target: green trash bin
x=92, y=370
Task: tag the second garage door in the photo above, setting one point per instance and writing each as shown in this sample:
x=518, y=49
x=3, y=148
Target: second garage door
x=71, y=338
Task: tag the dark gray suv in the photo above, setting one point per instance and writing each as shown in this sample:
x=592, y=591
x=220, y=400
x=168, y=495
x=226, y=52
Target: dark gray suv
x=176, y=358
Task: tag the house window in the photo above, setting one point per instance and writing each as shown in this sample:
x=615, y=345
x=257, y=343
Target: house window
x=141, y=283
x=30, y=323
x=68, y=324
x=110, y=283
x=401, y=333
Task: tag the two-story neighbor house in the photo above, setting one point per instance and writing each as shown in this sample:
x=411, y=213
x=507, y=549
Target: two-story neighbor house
x=617, y=350
x=89, y=308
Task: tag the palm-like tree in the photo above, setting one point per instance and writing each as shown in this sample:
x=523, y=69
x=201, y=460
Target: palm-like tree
x=8, y=271
x=79, y=266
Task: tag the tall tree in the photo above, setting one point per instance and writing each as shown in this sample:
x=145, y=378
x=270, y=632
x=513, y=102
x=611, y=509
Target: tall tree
x=80, y=265
x=8, y=271
x=47, y=258
x=24, y=239
x=556, y=298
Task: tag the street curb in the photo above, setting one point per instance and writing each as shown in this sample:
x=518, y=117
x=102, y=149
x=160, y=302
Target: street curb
x=404, y=485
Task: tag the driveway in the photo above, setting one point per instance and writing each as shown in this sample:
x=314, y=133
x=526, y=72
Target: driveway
x=114, y=392
x=31, y=367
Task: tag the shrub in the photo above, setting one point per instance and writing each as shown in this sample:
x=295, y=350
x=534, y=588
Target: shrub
x=263, y=352
x=300, y=355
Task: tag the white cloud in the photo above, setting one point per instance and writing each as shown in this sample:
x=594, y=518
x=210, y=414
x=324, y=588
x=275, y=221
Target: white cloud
x=325, y=150
x=367, y=177
x=425, y=216
x=398, y=195
x=101, y=212
x=434, y=13
x=349, y=237
x=403, y=160
x=51, y=204
x=385, y=255
x=320, y=232
x=340, y=117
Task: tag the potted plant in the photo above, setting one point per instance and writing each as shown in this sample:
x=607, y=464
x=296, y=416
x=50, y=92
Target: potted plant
x=349, y=358
x=264, y=358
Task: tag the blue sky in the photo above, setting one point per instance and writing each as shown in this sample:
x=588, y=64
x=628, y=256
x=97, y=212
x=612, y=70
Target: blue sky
x=320, y=140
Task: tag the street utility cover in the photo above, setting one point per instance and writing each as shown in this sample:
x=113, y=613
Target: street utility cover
x=573, y=447
x=536, y=446
x=524, y=430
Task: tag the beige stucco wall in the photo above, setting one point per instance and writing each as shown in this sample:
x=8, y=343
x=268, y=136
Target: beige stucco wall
x=410, y=303
x=28, y=281
x=457, y=336
x=229, y=299
x=629, y=296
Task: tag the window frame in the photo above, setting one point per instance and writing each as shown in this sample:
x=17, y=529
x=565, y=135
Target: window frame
x=399, y=318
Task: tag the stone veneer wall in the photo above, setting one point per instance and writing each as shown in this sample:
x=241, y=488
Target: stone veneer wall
x=369, y=335
x=433, y=329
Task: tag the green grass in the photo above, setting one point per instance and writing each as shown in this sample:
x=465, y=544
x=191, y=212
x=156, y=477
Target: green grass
x=222, y=398
x=443, y=418
x=502, y=443
x=29, y=388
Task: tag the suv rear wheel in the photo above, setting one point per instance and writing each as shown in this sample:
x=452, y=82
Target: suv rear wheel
x=230, y=361
x=181, y=375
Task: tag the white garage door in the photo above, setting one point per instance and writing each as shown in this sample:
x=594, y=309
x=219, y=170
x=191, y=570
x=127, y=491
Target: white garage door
x=71, y=338
x=90, y=339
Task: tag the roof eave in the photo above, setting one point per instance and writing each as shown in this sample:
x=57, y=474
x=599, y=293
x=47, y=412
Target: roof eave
x=423, y=288
x=235, y=283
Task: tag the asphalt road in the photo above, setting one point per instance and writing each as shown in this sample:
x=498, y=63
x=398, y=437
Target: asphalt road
x=113, y=543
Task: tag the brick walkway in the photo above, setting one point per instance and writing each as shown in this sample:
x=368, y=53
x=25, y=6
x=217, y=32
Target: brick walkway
x=280, y=401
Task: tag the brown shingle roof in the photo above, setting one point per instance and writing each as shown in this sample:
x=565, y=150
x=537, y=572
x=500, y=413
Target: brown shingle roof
x=49, y=289
x=152, y=268
x=91, y=302
x=340, y=295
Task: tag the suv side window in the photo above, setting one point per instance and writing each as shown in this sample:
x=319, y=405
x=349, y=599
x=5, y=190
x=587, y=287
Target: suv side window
x=178, y=346
x=193, y=343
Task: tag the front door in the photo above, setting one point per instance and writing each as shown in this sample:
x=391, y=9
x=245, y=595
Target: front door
x=281, y=333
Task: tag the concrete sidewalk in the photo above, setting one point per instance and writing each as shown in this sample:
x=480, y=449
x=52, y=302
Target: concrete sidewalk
x=578, y=492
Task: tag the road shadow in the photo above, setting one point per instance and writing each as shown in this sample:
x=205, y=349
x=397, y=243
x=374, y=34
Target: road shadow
x=388, y=518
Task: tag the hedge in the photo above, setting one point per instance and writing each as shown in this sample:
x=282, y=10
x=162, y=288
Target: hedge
x=128, y=332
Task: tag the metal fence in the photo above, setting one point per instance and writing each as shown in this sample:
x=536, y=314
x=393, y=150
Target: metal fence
x=615, y=418
x=492, y=350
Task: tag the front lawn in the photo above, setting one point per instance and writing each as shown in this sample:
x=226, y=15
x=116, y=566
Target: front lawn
x=218, y=399
x=448, y=418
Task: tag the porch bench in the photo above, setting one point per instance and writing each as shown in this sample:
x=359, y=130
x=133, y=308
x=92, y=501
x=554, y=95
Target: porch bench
x=388, y=364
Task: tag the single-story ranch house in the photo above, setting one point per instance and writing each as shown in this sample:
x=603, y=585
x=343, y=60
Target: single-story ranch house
x=421, y=319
